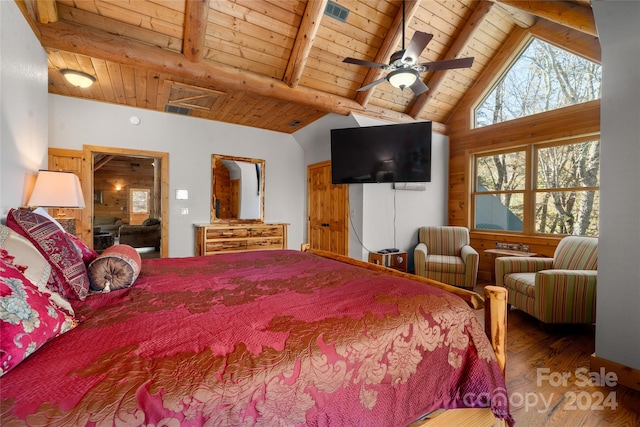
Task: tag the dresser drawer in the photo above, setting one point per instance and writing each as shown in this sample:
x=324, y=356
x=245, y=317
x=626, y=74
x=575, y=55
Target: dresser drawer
x=225, y=245
x=217, y=238
x=226, y=233
x=265, y=232
x=273, y=243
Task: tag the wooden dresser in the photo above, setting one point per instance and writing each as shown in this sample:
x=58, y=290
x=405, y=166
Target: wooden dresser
x=217, y=238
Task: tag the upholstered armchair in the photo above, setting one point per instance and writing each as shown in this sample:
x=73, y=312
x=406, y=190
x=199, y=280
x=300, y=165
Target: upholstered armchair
x=444, y=254
x=561, y=289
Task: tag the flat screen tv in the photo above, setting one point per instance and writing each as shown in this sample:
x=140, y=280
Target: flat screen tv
x=389, y=153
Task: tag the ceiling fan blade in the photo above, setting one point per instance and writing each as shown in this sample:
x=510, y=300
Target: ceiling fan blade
x=365, y=63
x=416, y=46
x=418, y=87
x=448, y=64
x=370, y=85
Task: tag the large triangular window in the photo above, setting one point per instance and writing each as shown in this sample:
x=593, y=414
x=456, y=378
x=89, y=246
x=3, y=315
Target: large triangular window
x=543, y=78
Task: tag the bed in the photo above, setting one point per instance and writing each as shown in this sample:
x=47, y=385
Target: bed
x=276, y=337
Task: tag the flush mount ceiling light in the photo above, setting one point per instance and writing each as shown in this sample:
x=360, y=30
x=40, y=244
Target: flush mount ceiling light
x=78, y=78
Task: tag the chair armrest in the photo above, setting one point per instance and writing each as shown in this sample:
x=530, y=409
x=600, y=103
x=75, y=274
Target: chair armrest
x=420, y=259
x=566, y=296
x=514, y=264
x=471, y=259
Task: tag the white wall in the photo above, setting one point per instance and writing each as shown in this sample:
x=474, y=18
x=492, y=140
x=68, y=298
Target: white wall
x=23, y=108
x=618, y=316
x=250, y=204
x=393, y=216
x=382, y=217
x=190, y=143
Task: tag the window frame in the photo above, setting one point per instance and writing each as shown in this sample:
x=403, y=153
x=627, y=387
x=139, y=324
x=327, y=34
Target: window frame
x=502, y=72
x=530, y=191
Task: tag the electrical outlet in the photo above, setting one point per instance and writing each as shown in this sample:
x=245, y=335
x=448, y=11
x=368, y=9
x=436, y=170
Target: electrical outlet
x=184, y=211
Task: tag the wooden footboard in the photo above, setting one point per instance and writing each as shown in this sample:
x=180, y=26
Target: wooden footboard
x=494, y=304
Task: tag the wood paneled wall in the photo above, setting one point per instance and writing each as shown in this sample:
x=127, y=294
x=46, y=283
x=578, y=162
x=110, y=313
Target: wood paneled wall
x=569, y=122
x=126, y=172
x=583, y=119
x=222, y=190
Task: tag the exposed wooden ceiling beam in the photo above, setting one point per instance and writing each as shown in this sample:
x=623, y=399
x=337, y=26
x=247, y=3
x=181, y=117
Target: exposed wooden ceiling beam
x=389, y=44
x=46, y=11
x=572, y=15
x=304, y=41
x=466, y=35
x=519, y=17
x=195, y=29
x=102, y=45
x=99, y=163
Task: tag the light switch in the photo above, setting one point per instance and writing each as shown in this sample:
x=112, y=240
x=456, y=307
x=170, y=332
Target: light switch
x=182, y=194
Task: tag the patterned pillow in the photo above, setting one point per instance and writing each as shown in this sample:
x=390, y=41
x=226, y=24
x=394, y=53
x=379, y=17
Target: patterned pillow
x=38, y=269
x=116, y=268
x=68, y=272
x=87, y=253
x=28, y=318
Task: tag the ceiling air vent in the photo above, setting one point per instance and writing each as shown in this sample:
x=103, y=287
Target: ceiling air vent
x=336, y=11
x=177, y=110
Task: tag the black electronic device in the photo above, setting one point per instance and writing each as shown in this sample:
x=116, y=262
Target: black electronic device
x=388, y=251
x=388, y=153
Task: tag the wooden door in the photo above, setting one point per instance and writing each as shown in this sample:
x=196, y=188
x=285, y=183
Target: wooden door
x=328, y=210
x=71, y=161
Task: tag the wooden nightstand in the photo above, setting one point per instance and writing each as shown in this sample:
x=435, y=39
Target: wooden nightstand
x=396, y=260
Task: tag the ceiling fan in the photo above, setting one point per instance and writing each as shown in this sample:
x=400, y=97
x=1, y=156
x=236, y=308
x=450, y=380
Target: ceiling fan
x=404, y=67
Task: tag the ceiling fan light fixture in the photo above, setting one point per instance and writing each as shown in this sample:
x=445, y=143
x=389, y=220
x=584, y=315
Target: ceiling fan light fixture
x=78, y=78
x=403, y=78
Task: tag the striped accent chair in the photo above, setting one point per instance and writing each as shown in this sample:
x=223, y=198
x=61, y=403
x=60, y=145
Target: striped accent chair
x=561, y=289
x=444, y=254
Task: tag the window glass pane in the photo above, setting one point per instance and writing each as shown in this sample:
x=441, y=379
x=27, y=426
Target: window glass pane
x=501, y=172
x=569, y=166
x=567, y=212
x=499, y=211
x=543, y=78
x=139, y=201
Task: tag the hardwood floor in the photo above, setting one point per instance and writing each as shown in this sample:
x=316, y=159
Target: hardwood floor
x=548, y=378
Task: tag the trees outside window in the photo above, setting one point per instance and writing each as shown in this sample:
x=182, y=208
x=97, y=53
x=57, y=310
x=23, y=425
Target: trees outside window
x=566, y=193
x=541, y=189
x=500, y=189
x=543, y=78
x=548, y=187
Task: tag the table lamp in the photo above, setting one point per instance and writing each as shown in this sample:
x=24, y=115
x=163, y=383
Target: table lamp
x=58, y=189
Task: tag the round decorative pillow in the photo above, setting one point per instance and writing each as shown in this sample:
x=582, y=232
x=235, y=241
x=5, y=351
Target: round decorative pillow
x=116, y=268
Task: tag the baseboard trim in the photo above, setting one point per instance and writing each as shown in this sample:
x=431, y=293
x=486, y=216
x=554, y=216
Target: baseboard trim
x=627, y=376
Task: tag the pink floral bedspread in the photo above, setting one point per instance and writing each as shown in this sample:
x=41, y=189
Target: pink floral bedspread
x=258, y=338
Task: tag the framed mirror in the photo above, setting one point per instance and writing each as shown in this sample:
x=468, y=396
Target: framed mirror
x=237, y=189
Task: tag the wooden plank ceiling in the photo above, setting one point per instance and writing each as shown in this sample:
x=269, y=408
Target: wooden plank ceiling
x=277, y=64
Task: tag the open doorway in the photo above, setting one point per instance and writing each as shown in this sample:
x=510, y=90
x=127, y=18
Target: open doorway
x=119, y=177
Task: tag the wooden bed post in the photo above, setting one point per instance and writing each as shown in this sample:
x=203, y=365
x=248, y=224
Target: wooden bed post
x=495, y=321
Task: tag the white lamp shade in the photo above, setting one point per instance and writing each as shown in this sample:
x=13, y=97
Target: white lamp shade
x=403, y=78
x=57, y=189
